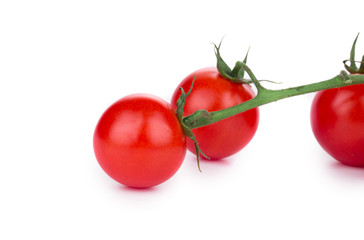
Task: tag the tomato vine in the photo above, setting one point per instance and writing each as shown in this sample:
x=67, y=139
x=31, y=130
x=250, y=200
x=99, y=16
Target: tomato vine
x=264, y=96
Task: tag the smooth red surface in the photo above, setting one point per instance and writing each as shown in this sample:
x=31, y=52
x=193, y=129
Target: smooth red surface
x=337, y=119
x=139, y=142
x=213, y=92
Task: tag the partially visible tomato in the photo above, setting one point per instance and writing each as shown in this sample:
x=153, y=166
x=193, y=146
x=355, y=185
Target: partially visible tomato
x=337, y=120
x=139, y=142
x=212, y=92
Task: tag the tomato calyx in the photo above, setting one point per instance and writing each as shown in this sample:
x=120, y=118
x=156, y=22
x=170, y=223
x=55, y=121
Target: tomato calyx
x=187, y=131
x=236, y=74
x=352, y=68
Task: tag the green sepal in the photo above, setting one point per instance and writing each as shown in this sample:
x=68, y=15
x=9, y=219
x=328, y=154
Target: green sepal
x=353, y=68
x=361, y=68
x=352, y=54
x=187, y=131
x=238, y=71
x=237, y=74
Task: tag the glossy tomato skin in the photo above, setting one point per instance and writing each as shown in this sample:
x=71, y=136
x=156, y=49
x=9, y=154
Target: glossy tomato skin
x=139, y=142
x=337, y=120
x=212, y=92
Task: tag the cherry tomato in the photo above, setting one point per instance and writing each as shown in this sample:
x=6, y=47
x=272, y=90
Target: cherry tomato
x=337, y=120
x=139, y=142
x=212, y=92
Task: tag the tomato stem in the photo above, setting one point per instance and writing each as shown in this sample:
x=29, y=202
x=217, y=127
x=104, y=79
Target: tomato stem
x=264, y=96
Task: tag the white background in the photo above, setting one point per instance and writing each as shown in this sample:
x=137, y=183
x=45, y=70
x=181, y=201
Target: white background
x=62, y=63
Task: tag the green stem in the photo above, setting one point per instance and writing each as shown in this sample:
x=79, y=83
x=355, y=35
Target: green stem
x=264, y=96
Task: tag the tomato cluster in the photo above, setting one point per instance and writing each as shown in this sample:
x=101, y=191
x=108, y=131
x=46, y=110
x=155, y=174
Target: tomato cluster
x=140, y=140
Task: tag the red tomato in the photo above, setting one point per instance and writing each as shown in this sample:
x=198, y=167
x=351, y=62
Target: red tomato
x=139, y=142
x=212, y=92
x=337, y=120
